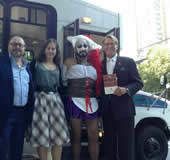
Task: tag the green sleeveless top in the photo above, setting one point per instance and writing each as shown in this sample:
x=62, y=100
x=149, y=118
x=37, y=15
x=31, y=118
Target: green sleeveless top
x=46, y=80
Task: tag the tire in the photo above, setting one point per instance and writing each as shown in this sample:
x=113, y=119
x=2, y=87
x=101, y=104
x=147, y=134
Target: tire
x=151, y=144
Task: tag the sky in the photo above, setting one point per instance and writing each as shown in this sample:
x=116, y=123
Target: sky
x=128, y=31
x=136, y=17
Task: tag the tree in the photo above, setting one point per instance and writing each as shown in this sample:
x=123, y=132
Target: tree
x=156, y=65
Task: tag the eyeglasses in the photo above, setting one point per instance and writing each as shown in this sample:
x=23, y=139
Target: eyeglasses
x=109, y=44
x=17, y=44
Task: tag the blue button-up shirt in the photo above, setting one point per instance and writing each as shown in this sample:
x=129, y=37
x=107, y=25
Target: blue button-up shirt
x=21, y=83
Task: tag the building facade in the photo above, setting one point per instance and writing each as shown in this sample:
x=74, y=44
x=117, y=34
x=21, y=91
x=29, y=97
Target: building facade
x=152, y=24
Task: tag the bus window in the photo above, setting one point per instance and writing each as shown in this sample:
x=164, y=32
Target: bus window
x=34, y=35
x=34, y=31
x=140, y=100
x=29, y=55
x=1, y=11
x=41, y=17
x=38, y=16
x=33, y=15
x=19, y=13
x=1, y=26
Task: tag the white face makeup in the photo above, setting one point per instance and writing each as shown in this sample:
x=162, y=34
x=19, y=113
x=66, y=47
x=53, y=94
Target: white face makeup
x=81, y=48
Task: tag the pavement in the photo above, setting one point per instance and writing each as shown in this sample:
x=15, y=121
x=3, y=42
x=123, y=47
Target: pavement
x=30, y=153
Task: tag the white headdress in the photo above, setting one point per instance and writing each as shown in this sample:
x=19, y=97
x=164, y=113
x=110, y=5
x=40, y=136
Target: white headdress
x=92, y=45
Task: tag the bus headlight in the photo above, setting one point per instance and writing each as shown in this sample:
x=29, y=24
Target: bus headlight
x=101, y=133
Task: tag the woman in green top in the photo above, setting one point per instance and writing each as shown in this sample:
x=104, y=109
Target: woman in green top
x=49, y=127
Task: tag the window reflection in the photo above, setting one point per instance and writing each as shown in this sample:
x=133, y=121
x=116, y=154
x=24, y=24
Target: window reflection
x=1, y=11
x=29, y=55
x=19, y=13
x=34, y=35
x=38, y=16
x=33, y=15
x=41, y=17
x=1, y=35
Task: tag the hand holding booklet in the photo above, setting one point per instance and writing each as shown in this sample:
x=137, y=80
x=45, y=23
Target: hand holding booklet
x=110, y=83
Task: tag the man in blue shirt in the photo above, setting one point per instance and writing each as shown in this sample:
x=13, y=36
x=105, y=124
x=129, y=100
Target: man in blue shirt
x=16, y=100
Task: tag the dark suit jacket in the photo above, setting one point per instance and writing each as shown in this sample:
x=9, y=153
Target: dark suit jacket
x=128, y=76
x=7, y=92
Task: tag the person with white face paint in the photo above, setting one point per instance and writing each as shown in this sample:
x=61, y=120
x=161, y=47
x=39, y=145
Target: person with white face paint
x=81, y=76
x=81, y=49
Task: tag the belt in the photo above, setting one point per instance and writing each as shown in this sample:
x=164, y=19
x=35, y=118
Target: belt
x=45, y=89
x=49, y=92
x=81, y=87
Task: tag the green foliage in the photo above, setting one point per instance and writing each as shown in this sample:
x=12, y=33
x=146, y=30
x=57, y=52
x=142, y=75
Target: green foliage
x=156, y=65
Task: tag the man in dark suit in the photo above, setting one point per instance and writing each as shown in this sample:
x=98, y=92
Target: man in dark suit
x=16, y=100
x=118, y=108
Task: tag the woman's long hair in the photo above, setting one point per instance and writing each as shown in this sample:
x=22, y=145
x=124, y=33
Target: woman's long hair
x=42, y=57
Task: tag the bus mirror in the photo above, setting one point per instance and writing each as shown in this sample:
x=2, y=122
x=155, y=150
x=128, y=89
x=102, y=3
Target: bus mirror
x=168, y=81
x=168, y=85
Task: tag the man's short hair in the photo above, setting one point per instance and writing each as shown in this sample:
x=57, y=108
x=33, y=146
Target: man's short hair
x=115, y=40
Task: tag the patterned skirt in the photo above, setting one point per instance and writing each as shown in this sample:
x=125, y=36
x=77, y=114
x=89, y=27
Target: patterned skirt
x=49, y=126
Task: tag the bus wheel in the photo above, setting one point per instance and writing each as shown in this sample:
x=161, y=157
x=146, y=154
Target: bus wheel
x=151, y=144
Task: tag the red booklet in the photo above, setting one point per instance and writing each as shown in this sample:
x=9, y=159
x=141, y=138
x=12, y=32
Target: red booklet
x=110, y=83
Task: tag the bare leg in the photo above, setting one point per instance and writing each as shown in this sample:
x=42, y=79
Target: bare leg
x=93, y=144
x=76, y=135
x=56, y=152
x=42, y=151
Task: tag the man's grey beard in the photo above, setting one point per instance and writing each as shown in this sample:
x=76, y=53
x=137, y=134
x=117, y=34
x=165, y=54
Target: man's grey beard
x=18, y=54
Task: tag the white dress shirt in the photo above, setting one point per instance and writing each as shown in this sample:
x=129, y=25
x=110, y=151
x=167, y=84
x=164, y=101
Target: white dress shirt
x=110, y=64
